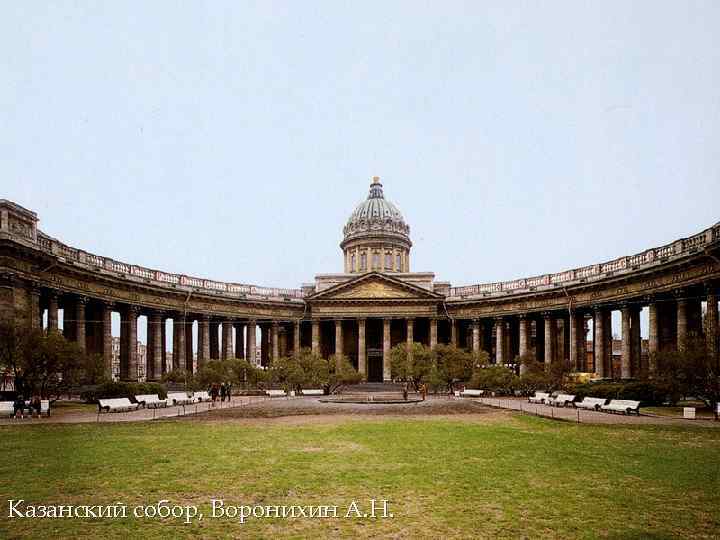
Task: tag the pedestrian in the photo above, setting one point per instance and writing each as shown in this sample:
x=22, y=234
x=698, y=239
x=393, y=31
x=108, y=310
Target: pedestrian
x=228, y=390
x=214, y=393
x=35, y=406
x=19, y=406
x=222, y=392
x=423, y=391
x=405, y=391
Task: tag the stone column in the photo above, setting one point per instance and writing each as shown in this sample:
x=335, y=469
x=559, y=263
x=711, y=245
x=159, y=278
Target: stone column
x=338, y=338
x=128, y=345
x=251, y=341
x=153, y=353
x=52, y=311
x=214, y=340
x=387, y=374
x=711, y=334
x=275, y=342
x=189, y=352
x=476, y=336
x=107, y=337
x=163, y=338
x=636, y=359
x=239, y=341
x=433, y=332
x=362, y=357
x=550, y=338
x=410, y=336
x=653, y=336
x=35, y=315
x=179, y=360
x=599, y=342
x=203, y=340
x=626, y=365
x=574, y=337
x=226, y=339
x=682, y=323
x=316, y=337
x=80, y=303
x=296, y=337
x=524, y=341
x=454, y=332
x=499, y=341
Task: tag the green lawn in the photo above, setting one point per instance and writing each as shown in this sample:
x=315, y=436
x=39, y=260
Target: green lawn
x=517, y=477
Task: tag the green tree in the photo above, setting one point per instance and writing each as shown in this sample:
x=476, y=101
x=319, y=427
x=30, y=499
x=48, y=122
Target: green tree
x=341, y=373
x=493, y=378
x=455, y=365
x=412, y=363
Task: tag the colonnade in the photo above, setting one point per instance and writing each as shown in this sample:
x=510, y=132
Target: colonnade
x=550, y=336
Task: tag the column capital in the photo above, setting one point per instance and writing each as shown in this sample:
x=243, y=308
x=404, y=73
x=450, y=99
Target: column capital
x=133, y=309
x=548, y=315
x=679, y=293
x=710, y=288
x=81, y=299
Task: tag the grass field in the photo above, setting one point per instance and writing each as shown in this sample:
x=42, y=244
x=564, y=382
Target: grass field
x=501, y=477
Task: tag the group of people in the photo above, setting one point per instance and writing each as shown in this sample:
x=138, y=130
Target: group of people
x=422, y=390
x=34, y=407
x=221, y=390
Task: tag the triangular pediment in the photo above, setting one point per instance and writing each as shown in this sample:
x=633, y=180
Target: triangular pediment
x=375, y=286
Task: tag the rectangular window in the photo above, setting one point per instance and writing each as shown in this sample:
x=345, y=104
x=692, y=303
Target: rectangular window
x=363, y=262
x=388, y=261
x=399, y=263
x=352, y=263
x=376, y=261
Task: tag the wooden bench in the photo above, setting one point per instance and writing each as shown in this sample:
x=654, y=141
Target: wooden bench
x=276, y=393
x=472, y=393
x=116, y=405
x=179, y=398
x=151, y=401
x=539, y=397
x=313, y=392
x=591, y=403
x=624, y=406
x=7, y=408
x=561, y=400
x=44, y=407
x=199, y=397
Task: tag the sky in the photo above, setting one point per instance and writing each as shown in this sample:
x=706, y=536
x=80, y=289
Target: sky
x=232, y=140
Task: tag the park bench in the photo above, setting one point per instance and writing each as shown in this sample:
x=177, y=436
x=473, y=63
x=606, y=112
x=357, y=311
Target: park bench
x=116, y=405
x=179, y=398
x=313, y=392
x=591, y=403
x=151, y=401
x=624, y=406
x=199, y=397
x=561, y=400
x=539, y=397
x=275, y=393
x=44, y=407
x=472, y=393
x=7, y=408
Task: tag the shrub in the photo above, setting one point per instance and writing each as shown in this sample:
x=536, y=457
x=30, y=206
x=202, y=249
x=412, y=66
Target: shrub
x=116, y=389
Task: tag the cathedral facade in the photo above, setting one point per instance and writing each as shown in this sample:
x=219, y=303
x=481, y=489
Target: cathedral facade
x=376, y=303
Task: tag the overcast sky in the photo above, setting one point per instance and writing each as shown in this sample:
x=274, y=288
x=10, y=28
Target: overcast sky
x=232, y=140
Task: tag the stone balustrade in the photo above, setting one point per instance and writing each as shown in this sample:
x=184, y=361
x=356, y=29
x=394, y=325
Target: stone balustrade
x=680, y=248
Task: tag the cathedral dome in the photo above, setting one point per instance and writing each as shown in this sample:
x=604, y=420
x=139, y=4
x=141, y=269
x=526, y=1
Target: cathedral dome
x=376, y=215
x=376, y=228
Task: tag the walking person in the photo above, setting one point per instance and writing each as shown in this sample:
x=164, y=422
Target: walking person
x=214, y=393
x=405, y=391
x=423, y=391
